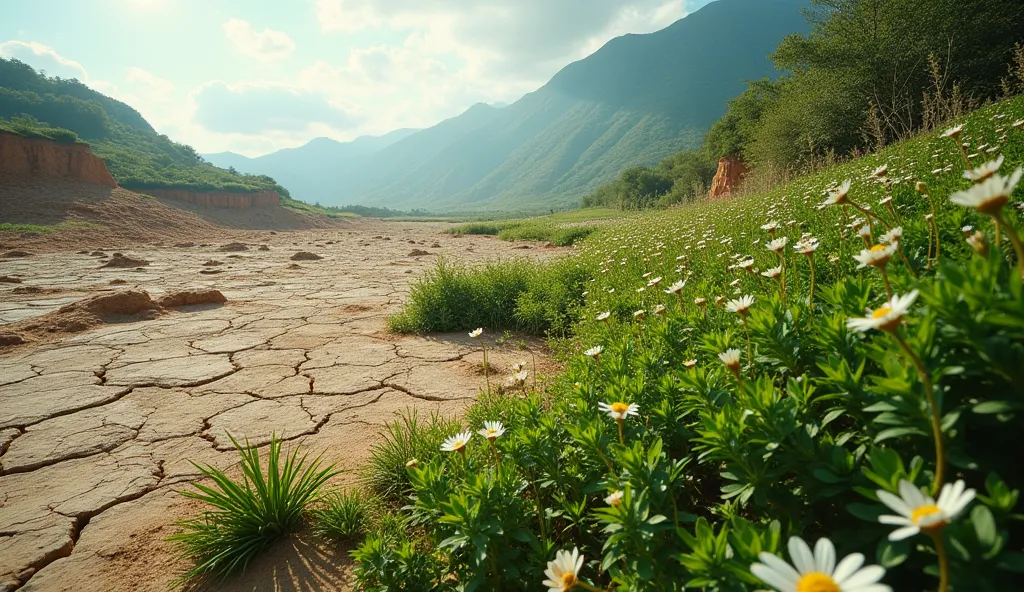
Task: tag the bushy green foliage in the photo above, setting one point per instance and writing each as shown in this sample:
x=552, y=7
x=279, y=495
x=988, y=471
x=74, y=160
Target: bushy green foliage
x=796, y=438
x=516, y=294
x=137, y=157
x=344, y=516
x=248, y=514
x=27, y=126
x=679, y=178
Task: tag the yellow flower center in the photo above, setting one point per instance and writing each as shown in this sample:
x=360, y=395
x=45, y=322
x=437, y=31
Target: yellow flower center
x=568, y=580
x=619, y=408
x=817, y=582
x=924, y=511
x=880, y=312
x=458, y=444
x=877, y=248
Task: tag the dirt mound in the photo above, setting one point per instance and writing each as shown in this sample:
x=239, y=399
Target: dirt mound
x=418, y=253
x=6, y=279
x=233, y=247
x=121, y=260
x=94, y=214
x=195, y=296
x=212, y=262
x=14, y=254
x=96, y=310
x=306, y=256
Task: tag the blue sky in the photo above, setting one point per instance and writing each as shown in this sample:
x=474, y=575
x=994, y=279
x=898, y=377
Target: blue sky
x=253, y=76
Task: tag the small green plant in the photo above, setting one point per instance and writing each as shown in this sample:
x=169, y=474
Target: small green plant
x=407, y=438
x=250, y=514
x=345, y=516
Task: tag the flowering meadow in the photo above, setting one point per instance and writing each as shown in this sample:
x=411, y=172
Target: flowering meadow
x=814, y=390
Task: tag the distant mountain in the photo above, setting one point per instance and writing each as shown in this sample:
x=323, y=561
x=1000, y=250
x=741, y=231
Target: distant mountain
x=321, y=170
x=135, y=154
x=635, y=101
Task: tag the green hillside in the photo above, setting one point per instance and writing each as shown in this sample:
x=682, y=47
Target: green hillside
x=35, y=105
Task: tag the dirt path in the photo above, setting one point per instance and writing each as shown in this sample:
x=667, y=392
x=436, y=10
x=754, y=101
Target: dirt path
x=97, y=428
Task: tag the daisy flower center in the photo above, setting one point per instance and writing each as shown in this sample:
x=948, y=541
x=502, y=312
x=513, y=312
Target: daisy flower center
x=620, y=408
x=568, y=580
x=817, y=582
x=458, y=444
x=881, y=312
x=877, y=248
x=922, y=512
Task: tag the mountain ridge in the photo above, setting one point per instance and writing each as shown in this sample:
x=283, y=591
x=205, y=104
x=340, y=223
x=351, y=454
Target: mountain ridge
x=636, y=100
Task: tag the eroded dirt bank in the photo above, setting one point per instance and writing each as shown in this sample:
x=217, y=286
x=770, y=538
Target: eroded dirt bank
x=97, y=427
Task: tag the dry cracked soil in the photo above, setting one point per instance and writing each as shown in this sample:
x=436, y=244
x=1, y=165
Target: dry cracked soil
x=99, y=428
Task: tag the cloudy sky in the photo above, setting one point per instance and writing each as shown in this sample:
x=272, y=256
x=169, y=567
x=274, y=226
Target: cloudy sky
x=254, y=76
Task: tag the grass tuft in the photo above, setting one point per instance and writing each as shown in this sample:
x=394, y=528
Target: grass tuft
x=406, y=438
x=345, y=516
x=250, y=514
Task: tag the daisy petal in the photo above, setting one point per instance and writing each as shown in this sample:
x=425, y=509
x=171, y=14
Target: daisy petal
x=779, y=566
x=800, y=554
x=824, y=556
x=772, y=578
x=866, y=575
x=894, y=502
x=850, y=564
x=903, y=533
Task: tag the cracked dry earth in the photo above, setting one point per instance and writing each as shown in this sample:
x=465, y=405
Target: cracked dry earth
x=97, y=428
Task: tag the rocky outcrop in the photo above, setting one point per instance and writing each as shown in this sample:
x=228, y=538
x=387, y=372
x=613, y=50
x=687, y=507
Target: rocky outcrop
x=27, y=157
x=728, y=177
x=219, y=199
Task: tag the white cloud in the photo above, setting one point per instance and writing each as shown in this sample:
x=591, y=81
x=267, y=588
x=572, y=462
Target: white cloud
x=257, y=108
x=524, y=42
x=42, y=57
x=266, y=46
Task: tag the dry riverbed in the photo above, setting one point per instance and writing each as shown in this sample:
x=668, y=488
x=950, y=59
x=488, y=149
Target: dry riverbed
x=98, y=427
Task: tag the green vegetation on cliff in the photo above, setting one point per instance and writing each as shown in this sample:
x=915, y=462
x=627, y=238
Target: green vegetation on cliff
x=36, y=106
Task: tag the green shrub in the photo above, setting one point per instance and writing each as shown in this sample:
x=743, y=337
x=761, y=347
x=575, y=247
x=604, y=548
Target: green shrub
x=250, y=514
x=345, y=516
x=516, y=294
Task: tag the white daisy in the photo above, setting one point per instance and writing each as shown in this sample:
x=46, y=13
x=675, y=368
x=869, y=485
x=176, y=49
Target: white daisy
x=700, y=301
x=886, y=317
x=880, y=171
x=731, y=358
x=989, y=196
x=741, y=305
x=604, y=316
x=772, y=273
x=771, y=226
x=894, y=235
x=594, y=352
x=659, y=309
x=477, y=333
x=818, y=571
x=806, y=246
x=877, y=256
x=457, y=443
x=984, y=171
x=639, y=314
x=654, y=282
x=614, y=499
x=953, y=132
x=920, y=512
x=676, y=287
x=778, y=244
x=492, y=430
x=838, y=195
x=619, y=410
x=563, y=572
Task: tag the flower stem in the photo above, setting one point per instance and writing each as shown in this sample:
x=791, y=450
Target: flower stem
x=588, y=587
x=885, y=278
x=621, y=439
x=487, y=375
x=940, y=549
x=906, y=262
x=750, y=350
x=1015, y=240
x=926, y=380
x=810, y=298
x=540, y=514
x=963, y=153
x=870, y=216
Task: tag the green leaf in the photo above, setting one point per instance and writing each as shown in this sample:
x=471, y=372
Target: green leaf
x=989, y=407
x=984, y=525
x=889, y=554
x=897, y=432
